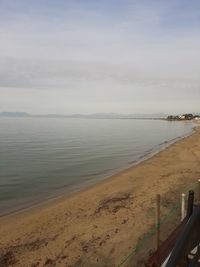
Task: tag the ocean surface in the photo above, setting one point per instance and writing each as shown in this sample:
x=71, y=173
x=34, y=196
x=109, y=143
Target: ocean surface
x=41, y=158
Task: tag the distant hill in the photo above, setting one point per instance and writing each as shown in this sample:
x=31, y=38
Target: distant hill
x=89, y=116
x=126, y=116
x=14, y=114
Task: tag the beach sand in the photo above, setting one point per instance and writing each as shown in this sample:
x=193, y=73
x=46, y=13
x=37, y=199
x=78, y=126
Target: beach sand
x=100, y=225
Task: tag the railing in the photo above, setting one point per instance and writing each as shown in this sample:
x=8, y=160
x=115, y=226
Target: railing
x=161, y=255
x=182, y=247
x=186, y=251
x=171, y=230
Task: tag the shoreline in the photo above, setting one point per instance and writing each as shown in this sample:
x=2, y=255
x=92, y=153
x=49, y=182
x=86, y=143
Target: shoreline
x=77, y=189
x=99, y=225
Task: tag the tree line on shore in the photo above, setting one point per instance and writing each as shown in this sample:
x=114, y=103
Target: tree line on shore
x=188, y=116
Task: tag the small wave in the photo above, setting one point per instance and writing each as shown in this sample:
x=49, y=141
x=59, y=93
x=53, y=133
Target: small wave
x=96, y=173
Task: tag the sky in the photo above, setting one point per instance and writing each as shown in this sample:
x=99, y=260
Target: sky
x=89, y=56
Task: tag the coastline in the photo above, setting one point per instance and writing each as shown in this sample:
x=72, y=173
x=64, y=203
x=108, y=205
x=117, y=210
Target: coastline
x=78, y=188
x=89, y=224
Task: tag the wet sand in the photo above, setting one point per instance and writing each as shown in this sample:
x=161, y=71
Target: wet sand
x=100, y=225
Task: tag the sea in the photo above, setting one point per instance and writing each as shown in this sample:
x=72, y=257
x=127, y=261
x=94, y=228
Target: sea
x=44, y=158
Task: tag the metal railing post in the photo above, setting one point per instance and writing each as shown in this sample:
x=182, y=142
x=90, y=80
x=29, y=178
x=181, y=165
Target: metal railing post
x=182, y=207
x=190, y=203
x=157, y=221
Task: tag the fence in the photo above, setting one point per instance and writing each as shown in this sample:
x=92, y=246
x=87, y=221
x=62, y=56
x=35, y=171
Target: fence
x=168, y=212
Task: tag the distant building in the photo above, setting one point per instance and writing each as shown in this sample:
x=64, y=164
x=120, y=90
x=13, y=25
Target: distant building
x=188, y=116
x=182, y=117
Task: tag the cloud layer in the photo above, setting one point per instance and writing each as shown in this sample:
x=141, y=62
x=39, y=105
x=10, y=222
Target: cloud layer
x=99, y=56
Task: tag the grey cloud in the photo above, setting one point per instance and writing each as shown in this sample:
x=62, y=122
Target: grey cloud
x=88, y=62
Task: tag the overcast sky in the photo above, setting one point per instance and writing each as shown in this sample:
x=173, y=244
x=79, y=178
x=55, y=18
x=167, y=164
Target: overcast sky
x=88, y=56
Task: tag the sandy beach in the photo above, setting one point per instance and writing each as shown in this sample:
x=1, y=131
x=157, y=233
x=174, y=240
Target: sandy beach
x=100, y=225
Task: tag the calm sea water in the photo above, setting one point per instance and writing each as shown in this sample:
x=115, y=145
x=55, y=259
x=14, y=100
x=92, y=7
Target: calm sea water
x=41, y=158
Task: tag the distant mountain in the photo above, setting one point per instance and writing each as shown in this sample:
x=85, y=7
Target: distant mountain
x=107, y=116
x=120, y=116
x=147, y=116
x=14, y=114
x=89, y=116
